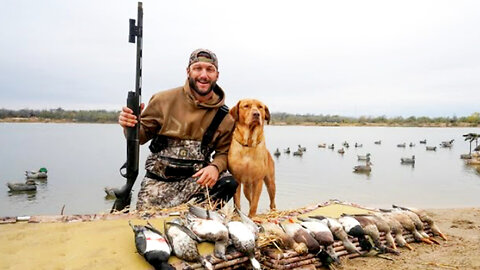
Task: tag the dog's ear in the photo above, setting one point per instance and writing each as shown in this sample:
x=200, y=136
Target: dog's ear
x=267, y=114
x=234, y=111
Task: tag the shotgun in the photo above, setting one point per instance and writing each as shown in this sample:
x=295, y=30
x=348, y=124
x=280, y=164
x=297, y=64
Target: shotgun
x=129, y=170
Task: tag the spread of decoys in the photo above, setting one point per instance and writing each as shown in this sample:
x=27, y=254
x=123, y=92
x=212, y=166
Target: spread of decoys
x=431, y=148
x=405, y=160
x=29, y=184
x=277, y=153
x=401, y=145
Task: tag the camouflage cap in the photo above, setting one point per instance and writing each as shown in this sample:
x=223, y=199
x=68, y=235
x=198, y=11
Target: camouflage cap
x=203, y=55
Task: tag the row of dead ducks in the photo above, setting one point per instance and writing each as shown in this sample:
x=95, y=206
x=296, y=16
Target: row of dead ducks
x=300, y=150
x=313, y=234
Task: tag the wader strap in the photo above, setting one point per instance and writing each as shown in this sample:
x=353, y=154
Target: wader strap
x=158, y=178
x=217, y=119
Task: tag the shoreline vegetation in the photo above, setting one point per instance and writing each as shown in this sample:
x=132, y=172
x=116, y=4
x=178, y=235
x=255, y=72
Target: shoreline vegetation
x=60, y=115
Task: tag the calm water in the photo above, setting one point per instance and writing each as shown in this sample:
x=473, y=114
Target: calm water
x=84, y=158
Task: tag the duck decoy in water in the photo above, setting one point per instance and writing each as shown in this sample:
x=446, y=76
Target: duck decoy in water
x=358, y=145
x=152, y=245
x=341, y=151
x=298, y=153
x=378, y=142
x=364, y=168
x=411, y=144
x=40, y=174
x=360, y=157
x=405, y=160
x=423, y=141
x=431, y=148
x=423, y=215
x=29, y=185
x=345, y=144
x=277, y=153
x=303, y=149
x=339, y=232
x=287, y=151
x=331, y=146
x=110, y=191
x=401, y=145
x=184, y=243
x=447, y=144
x=322, y=145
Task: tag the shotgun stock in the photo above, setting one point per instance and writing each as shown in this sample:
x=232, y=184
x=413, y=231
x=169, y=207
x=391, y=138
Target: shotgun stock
x=129, y=170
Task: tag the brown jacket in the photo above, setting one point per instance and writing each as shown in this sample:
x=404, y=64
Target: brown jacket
x=176, y=113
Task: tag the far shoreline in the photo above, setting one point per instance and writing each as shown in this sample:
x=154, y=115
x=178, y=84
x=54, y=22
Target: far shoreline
x=319, y=124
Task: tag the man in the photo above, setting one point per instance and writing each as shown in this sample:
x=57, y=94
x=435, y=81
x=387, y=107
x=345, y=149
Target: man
x=180, y=167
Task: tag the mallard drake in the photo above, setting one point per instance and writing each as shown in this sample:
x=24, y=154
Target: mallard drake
x=370, y=228
x=360, y=157
x=324, y=237
x=431, y=148
x=29, y=185
x=339, y=232
x=277, y=153
x=405, y=160
x=40, y=174
x=354, y=228
x=300, y=235
x=401, y=145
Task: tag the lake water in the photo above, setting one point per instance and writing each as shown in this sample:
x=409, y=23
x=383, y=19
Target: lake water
x=84, y=158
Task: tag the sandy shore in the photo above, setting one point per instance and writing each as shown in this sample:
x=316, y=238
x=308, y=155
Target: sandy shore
x=109, y=245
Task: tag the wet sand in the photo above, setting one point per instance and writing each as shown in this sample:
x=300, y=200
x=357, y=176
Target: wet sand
x=110, y=245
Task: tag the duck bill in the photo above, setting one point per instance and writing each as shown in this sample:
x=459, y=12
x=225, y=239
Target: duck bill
x=409, y=246
x=426, y=240
x=434, y=240
x=443, y=236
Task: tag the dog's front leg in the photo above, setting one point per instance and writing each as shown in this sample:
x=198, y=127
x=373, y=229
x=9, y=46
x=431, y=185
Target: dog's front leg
x=236, y=197
x=256, y=191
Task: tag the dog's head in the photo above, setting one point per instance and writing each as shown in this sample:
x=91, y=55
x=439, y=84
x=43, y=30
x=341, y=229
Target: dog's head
x=250, y=112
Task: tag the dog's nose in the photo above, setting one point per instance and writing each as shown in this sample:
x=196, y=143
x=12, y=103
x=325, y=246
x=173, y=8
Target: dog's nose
x=256, y=114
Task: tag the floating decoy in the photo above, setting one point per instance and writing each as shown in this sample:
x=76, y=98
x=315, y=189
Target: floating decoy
x=360, y=157
x=322, y=145
x=401, y=145
x=411, y=144
x=378, y=142
x=358, y=145
x=287, y=151
x=447, y=144
x=422, y=214
x=345, y=143
x=277, y=153
x=304, y=149
x=363, y=168
x=341, y=151
x=332, y=146
x=405, y=160
x=40, y=174
x=298, y=153
x=431, y=148
x=424, y=141
x=29, y=185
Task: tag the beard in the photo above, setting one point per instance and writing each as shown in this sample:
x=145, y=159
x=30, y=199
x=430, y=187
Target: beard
x=193, y=86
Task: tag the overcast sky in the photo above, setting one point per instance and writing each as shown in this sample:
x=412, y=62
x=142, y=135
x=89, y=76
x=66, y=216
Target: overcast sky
x=352, y=58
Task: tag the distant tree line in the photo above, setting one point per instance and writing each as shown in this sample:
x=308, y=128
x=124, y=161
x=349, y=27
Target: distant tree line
x=104, y=116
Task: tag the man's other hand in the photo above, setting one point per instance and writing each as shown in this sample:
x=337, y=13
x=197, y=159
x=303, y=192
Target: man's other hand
x=207, y=176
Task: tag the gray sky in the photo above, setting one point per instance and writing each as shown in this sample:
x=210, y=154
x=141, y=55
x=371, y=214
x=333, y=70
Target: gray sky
x=353, y=58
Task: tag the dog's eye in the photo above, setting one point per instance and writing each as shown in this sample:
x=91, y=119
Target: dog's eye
x=246, y=105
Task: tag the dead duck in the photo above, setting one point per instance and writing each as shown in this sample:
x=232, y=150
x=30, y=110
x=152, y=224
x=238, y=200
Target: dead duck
x=401, y=145
x=243, y=235
x=29, y=185
x=431, y=148
x=360, y=157
x=370, y=228
x=341, y=151
x=40, y=174
x=354, y=228
x=272, y=228
x=339, y=232
x=277, y=153
x=324, y=237
x=184, y=243
x=345, y=144
x=405, y=160
x=423, y=215
x=418, y=223
x=408, y=225
x=363, y=168
x=301, y=235
x=152, y=245
x=396, y=228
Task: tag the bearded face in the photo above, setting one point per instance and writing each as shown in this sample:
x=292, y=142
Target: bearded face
x=202, y=77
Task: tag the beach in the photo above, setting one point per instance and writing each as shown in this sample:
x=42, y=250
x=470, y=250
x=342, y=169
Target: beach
x=109, y=244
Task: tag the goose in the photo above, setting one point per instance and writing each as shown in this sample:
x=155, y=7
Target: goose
x=418, y=223
x=405, y=160
x=396, y=229
x=408, y=225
